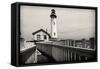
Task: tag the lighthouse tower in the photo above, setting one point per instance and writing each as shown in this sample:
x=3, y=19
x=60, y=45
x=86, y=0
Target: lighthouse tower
x=53, y=24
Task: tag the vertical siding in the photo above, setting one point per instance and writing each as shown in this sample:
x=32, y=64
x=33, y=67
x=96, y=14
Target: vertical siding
x=64, y=54
x=57, y=53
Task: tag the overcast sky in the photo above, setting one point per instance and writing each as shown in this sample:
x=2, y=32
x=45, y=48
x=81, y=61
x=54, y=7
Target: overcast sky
x=71, y=23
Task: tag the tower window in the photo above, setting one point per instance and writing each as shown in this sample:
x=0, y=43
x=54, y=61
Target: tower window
x=54, y=23
x=54, y=33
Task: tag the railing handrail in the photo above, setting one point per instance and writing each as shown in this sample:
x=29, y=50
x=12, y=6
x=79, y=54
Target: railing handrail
x=91, y=51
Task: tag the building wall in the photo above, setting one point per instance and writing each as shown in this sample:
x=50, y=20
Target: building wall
x=53, y=28
x=41, y=36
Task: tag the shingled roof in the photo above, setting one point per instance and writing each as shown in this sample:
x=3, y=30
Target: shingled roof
x=42, y=31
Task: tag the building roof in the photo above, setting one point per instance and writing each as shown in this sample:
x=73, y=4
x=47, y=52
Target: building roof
x=42, y=31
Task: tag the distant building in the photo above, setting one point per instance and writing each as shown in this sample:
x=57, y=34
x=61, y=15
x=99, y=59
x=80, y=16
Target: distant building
x=78, y=43
x=41, y=35
x=92, y=43
x=83, y=43
x=87, y=44
x=68, y=42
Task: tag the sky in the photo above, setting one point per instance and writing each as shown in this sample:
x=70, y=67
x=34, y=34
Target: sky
x=72, y=23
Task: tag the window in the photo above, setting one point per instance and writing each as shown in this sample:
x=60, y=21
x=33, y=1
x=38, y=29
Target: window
x=38, y=37
x=54, y=33
x=45, y=37
x=54, y=23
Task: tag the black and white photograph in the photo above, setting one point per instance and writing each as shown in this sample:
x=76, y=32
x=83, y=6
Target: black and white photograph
x=54, y=35
x=51, y=34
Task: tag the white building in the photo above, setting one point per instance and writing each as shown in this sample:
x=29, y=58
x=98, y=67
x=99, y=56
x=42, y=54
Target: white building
x=41, y=35
x=53, y=24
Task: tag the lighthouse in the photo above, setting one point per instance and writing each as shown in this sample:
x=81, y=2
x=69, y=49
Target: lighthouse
x=53, y=24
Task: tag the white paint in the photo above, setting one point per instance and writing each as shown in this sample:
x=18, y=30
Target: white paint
x=54, y=28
